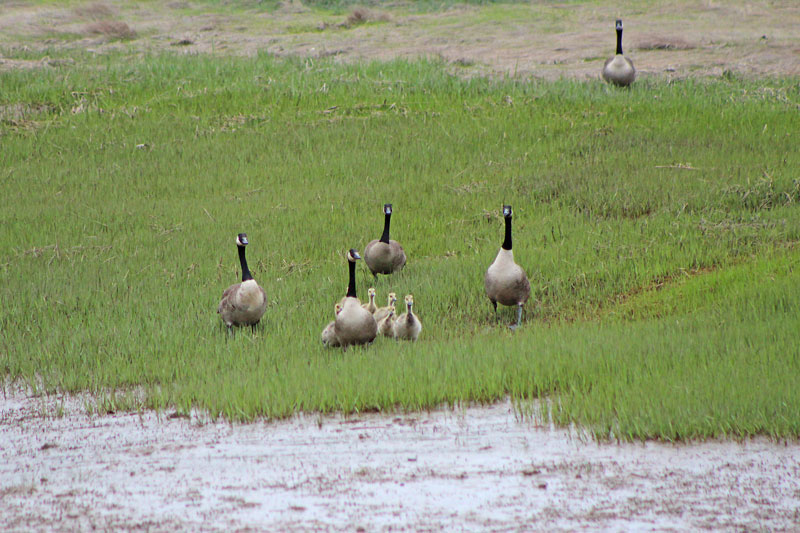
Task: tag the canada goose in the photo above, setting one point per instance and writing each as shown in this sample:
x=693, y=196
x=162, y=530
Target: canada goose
x=354, y=324
x=381, y=313
x=371, y=307
x=386, y=324
x=328, y=334
x=244, y=303
x=505, y=280
x=407, y=326
x=619, y=69
x=384, y=256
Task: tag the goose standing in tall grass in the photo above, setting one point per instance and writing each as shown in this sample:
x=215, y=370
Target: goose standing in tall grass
x=354, y=324
x=384, y=255
x=242, y=304
x=619, y=69
x=408, y=326
x=505, y=281
x=329, y=334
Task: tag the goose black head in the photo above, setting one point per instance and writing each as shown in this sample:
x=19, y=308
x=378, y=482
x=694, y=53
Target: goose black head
x=619, y=25
x=241, y=239
x=387, y=209
x=507, y=211
x=352, y=255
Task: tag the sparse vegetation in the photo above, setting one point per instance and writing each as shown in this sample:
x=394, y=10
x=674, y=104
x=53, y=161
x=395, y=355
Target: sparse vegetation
x=113, y=29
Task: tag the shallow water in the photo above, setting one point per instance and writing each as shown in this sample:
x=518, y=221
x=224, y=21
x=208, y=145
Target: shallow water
x=475, y=469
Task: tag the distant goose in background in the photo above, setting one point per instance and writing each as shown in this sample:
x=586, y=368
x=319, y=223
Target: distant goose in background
x=381, y=313
x=329, y=334
x=370, y=306
x=386, y=324
x=505, y=280
x=407, y=326
x=384, y=256
x=619, y=69
x=354, y=324
x=242, y=304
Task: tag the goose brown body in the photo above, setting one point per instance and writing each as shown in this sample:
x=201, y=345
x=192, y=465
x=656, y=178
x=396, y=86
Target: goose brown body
x=506, y=282
x=354, y=324
x=384, y=258
x=243, y=304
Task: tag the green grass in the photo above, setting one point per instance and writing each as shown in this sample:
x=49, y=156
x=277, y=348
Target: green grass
x=664, y=297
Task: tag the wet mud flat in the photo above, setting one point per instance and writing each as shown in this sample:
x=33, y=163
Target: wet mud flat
x=479, y=468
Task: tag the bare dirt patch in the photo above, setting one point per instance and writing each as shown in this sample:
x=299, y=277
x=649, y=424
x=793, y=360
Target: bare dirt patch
x=685, y=38
x=481, y=468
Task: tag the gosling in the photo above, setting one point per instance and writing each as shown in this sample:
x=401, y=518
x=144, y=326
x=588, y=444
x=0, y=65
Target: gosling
x=408, y=326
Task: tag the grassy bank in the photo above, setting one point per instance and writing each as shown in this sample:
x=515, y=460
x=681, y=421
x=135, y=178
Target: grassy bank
x=657, y=226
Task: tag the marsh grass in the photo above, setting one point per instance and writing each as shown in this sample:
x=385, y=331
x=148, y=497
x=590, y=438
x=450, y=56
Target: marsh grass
x=658, y=227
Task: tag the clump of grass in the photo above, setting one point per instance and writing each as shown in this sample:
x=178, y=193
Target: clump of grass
x=665, y=44
x=94, y=11
x=362, y=15
x=112, y=29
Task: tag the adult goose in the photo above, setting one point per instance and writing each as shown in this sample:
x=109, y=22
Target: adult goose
x=619, y=69
x=505, y=281
x=407, y=326
x=354, y=324
x=242, y=304
x=384, y=255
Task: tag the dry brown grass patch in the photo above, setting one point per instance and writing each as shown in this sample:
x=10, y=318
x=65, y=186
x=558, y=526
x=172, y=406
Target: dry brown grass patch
x=113, y=29
x=665, y=44
x=95, y=11
x=362, y=15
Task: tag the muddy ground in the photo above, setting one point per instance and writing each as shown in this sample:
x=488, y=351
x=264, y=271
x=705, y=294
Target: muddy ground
x=542, y=39
x=476, y=469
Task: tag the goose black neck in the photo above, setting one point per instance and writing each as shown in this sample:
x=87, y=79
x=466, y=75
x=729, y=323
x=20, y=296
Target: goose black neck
x=387, y=221
x=619, y=41
x=507, y=241
x=351, y=287
x=245, y=271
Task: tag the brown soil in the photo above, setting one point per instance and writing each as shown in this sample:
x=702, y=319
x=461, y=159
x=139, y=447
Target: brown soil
x=478, y=469
x=697, y=37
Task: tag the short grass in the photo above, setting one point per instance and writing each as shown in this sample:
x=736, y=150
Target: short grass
x=659, y=227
